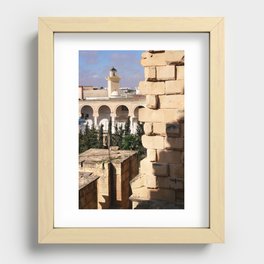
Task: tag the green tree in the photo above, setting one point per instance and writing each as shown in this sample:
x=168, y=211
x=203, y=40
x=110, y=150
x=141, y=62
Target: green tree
x=133, y=142
x=93, y=138
x=82, y=146
x=86, y=137
x=115, y=136
x=129, y=142
x=127, y=127
x=139, y=132
x=109, y=134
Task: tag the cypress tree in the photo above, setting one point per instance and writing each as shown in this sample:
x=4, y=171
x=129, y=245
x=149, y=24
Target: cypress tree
x=115, y=137
x=93, y=138
x=120, y=135
x=109, y=134
x=86, y=137
x=139, y=132
x=82, y=146
x=127, y=126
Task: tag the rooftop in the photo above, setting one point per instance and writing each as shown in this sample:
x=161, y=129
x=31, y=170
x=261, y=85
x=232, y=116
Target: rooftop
x=99, y=155
x=133, y=97
x=85, y=178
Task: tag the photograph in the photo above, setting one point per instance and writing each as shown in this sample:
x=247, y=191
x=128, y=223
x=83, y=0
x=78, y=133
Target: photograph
x=131, y=129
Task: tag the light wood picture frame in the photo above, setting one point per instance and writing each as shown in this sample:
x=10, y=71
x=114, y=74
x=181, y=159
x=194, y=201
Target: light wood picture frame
x=47, y=233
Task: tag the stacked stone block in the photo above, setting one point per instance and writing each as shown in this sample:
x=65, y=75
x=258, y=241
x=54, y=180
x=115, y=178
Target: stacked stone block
x=113, y=173
x=162, y=171
x=87, y=191
x=102, y=169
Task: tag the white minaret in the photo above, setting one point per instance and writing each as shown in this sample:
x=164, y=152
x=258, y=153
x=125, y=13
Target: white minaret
x=113, y=83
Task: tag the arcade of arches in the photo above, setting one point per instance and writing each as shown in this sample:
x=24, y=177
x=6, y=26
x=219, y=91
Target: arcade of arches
x=99, y=113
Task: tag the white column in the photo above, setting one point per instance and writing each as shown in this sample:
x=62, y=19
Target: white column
x=135, y=125
x=95, y=122
x=131, y=125
x=113, y=123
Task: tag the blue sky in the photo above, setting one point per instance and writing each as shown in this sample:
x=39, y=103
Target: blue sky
x=94, y=66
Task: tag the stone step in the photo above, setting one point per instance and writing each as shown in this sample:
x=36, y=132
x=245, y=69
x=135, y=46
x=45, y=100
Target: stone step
x=144, y=193
x=156, y=204
x=140, y=194
x=137, y=182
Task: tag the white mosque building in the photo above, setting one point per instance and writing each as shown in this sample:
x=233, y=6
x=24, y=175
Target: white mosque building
x=98, y=105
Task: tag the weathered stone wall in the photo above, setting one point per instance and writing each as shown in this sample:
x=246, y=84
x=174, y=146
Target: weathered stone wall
x=87, y=191
x=102, y=169
x=162, y=171
x=123, y=172
x=115, y=173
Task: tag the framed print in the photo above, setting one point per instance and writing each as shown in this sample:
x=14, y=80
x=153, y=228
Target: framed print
x=131, y=130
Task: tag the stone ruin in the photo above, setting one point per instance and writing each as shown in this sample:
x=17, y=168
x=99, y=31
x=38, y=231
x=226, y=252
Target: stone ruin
x=160, y=182
x=115, y=182
x=104, y=178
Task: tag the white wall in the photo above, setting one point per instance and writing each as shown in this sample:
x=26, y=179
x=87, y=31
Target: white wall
x=244, y=133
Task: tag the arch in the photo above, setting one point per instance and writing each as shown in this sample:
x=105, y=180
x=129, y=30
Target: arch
x=135, y=119
x=135, y=111
x=122, y=112
x=104, y=112
x=122, y=115
x=87, y=114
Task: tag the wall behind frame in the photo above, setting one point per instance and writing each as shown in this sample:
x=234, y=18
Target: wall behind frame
x=244, y=133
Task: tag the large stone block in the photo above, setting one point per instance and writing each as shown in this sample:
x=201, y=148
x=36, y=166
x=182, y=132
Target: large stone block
x=166, y=182
x=145, y=193
x=162, y=58
x=165, y=73
x=152, y=154
x=152, y=101
x=154, y=168
x=140, y=193
x=150, y=73
x=180, y=72
x=173, y=143
x=169, y=156
x=179, y=183
x=173, y=129
x=159, y=129
x=162, y=194
x=160, y=169
x=151, y=181
x=138, y=181
x=174, y=87
x=176, y=170
x=170, y=129
x=155, y=88
x=160, y=115
x=153, y=142
x=146, y=166
x=148, y=128
x=155, y=182
x=142, y=87
x=175, y=101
